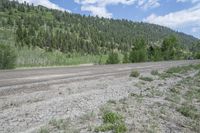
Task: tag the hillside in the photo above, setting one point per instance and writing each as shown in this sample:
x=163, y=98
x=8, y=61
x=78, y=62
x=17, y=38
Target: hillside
x=31, y=26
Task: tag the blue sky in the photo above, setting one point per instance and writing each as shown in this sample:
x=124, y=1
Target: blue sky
x=180, y=15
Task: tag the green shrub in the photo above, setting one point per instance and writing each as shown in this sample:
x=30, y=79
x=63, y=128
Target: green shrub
x=104, y=127
x=188, y=111
x=135, y=74
x=197, y=56
x=120, y=127
x=138, y=56
x=154, y=72
x=43, y=130
x=146, y=79
x=113, y=58
x=110, y=117
x=7, y=57
x=112, y=121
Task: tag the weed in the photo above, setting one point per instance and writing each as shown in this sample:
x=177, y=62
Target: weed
x=188, y=111
x=112, y=121
x=112, y=102
x=154, y=72
x=111, y=117
x=135, y=74
x=179, y=69
x=61, y=124
x=43, y=130
x=173, y=97
x=104, y=127
x=133, y=94
x=149, y=79
x=174, y=70
x=88, y=117
x=165, y=75
x=154, y=92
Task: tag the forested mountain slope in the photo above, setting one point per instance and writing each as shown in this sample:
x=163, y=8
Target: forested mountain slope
x=53, y=29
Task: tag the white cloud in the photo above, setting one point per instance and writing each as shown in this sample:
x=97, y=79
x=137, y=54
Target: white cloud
x=99, y=7
x=193, y=1
x=151, y=4
x=177, y=18
x=45, y=3
x=184, y=19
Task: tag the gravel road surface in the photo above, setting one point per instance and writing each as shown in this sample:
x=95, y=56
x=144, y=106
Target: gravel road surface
x=30, y=98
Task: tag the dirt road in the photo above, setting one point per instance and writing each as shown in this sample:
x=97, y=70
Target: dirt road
x=30, y=98
x=29, y=76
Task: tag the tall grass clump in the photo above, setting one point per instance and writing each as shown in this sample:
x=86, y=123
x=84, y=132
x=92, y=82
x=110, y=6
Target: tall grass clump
x=36, y=57
x=7, y=57
x=134, y=74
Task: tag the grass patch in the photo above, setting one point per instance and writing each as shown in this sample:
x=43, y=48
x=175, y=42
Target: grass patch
x=154, y=72
x=177, y=70
x=135, y=74
x=43, y=130
x=182, y=69
x=112, y=122
x=111, y=117
x=149, y=79
x=63, y=125
x=174, y=70
x=60, y=124
x=40, y=58
x=188, y=111
x=112, y=101
x=173, y=97
x=165, y=75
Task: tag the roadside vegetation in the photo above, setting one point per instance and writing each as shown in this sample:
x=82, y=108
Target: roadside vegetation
x=149, y=79
x=7, y=57
x=169, y=103
x=135, y=74
x=61, y=38
x=112, y=122
x=154, y=72
x=176, y=71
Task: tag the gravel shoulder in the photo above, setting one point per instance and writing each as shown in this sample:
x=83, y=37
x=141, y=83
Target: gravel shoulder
x=79, y=103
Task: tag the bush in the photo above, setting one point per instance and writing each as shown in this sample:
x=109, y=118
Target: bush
x=112, y=121
x=113, y=58
x=43, y=130
x=110, y=117
x=154, y=72
x=197, y=56
x=149, y=79
x=135, y=74
x=188, y=111
x=138, y=55
x=7, y=57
